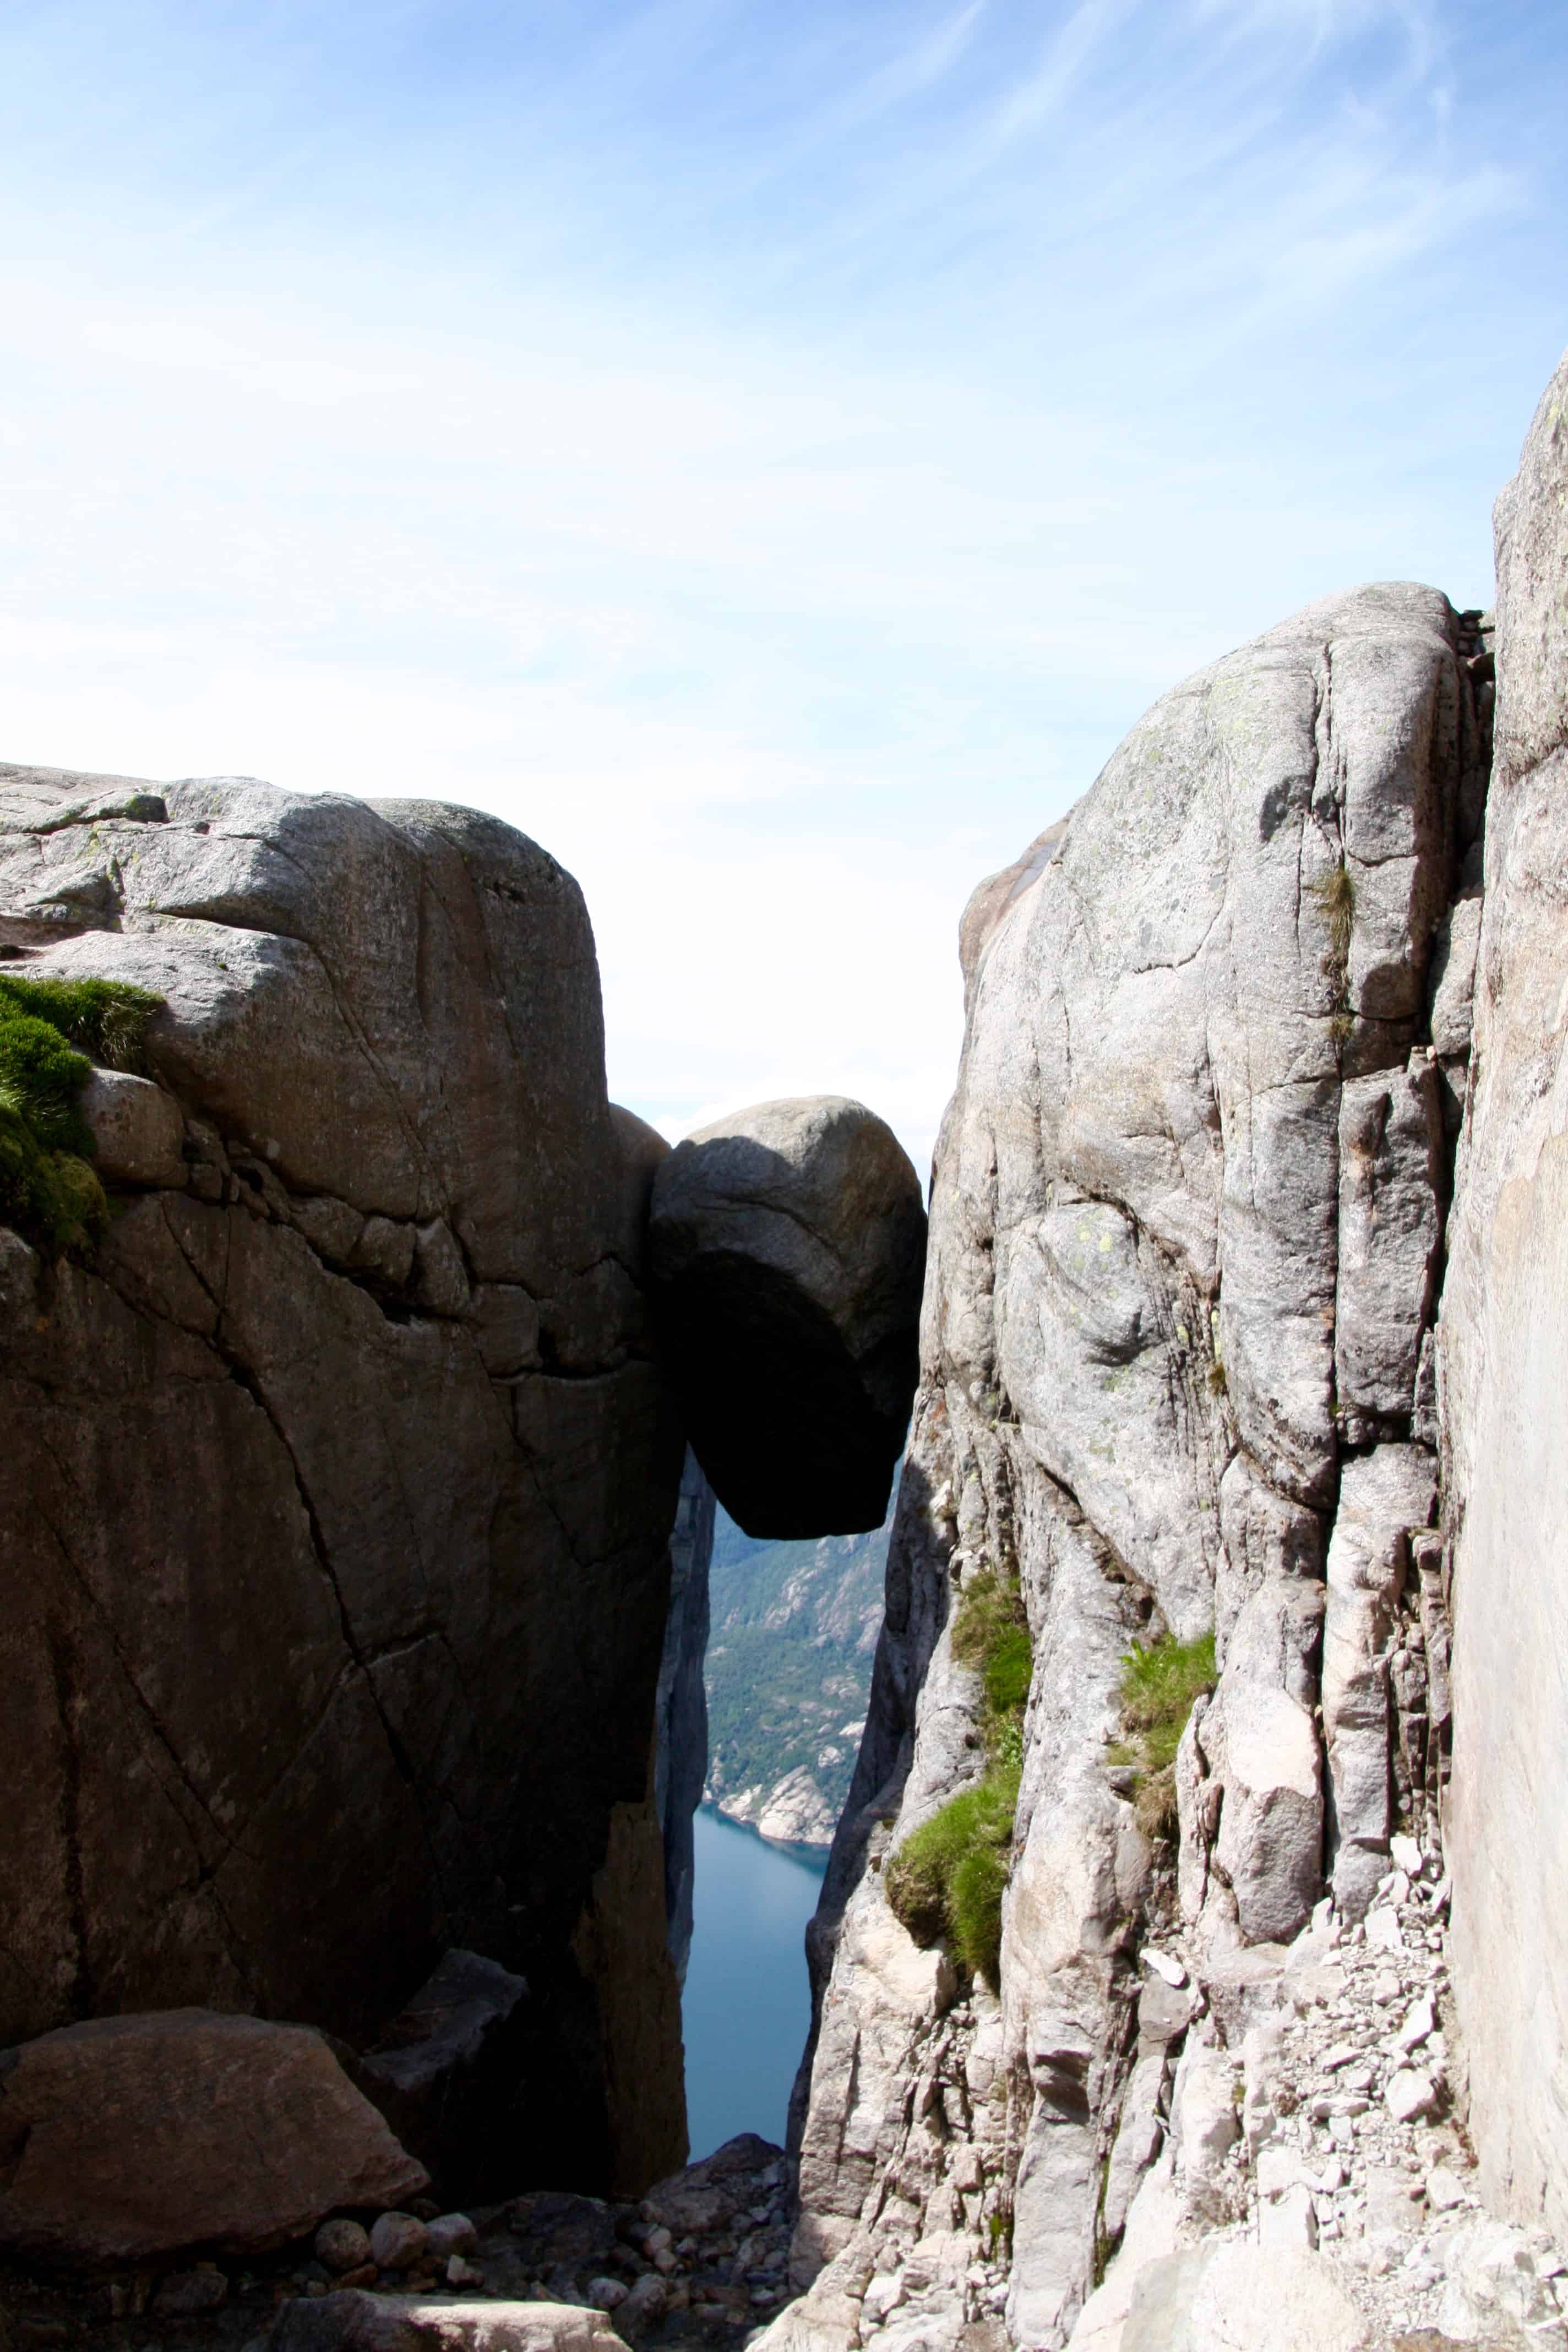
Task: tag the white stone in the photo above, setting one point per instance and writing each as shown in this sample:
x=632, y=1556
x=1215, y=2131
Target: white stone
x=1445, y=2190
x=1288, y=2220
x=1491, y=2282
x=1382, y=1929
x=1410, y=2094
x=1164, y=1964
x=1417, y=2025
x=1404, y=1851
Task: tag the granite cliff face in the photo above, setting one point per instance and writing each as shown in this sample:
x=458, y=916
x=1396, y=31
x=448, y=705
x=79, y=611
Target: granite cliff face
x=339, y=1477
x=1177, y=1379
x=1503, y=1359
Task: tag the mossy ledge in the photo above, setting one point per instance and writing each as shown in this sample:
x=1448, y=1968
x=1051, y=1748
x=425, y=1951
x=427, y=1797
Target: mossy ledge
x=52, y=1033
x=946, y=1881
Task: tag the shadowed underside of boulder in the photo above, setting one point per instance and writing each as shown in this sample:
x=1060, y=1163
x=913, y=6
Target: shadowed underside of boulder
x=339, y=1480
x=787, y=1252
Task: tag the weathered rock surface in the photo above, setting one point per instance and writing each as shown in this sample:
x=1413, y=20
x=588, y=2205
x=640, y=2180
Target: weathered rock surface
x=130, y=2137
x=1184, y=1249
x=1504, y=1356
x=338, y=1482
x=788, y=1247
x=1218, y=2298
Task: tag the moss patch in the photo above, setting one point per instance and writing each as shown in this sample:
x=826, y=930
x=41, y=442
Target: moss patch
x=946, y=1881
x=1159, y=1685
x=49, y=1029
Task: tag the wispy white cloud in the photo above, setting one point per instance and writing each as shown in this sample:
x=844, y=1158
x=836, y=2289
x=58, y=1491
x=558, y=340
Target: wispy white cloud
x=769, y=459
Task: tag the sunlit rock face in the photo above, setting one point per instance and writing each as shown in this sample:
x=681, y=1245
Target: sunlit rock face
x=1175, y=1381
x=1505, y=1363
x=339, y=1480
x=787, y=1248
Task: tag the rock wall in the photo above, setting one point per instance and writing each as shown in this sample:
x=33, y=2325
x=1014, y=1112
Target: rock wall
x=1504, y=1364
x=1176, y=1376
x=339, y=1481
x=682, y=1703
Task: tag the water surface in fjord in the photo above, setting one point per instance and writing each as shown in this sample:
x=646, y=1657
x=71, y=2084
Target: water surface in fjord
x=747, y=2004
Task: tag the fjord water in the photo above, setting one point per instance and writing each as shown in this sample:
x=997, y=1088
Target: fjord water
x=747, y=2004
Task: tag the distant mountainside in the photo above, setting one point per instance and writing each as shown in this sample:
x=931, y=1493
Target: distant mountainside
x=794, y=1628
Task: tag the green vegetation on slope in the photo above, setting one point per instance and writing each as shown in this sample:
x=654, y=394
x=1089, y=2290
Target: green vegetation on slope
x=48, y=1029
x=947, y=1879
x=1158, y=1687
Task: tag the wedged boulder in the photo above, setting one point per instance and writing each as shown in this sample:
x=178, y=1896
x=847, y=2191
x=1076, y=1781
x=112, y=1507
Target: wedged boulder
x=339, y=1480
x=788, y=1255
x=443, y=2072
x=358, y=2322
x=129, y=2138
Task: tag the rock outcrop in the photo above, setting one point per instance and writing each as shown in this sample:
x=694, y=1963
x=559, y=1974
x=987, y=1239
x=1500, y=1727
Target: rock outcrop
x=1504, y=1362
x=1177, y=1381
x=788, y=1247
x=339, y=1478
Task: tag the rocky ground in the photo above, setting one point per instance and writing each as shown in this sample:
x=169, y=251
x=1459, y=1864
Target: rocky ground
x=1314, y=2109
x=700, y=2261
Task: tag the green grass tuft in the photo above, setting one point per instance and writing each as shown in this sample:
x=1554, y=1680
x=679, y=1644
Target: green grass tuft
x=947, y=1880
x=1159, y=1685
x=104, y=1018
x=49, y=1028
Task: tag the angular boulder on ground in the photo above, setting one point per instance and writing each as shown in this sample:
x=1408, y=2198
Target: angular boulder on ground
x=339, y=1477
x=787, y=1252
x=128, y=2138
x=445, y=2072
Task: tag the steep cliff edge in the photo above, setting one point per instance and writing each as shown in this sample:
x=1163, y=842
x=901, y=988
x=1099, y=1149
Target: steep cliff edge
x=339, y=1477
x=1177, y=1383
x=1504, y=1360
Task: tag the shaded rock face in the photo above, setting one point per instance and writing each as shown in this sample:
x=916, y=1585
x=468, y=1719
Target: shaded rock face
x=1504, y=1360
x=683, y=1705
x=339, y=1482
x=1176, y=1358
x=787, y=1247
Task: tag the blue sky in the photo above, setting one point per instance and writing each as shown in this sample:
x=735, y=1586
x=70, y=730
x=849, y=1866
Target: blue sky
x=770, y=453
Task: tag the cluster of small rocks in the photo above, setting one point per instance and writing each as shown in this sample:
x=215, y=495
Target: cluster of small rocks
x=699, y=2260
x=706, y=2247
x=1337, y=2132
